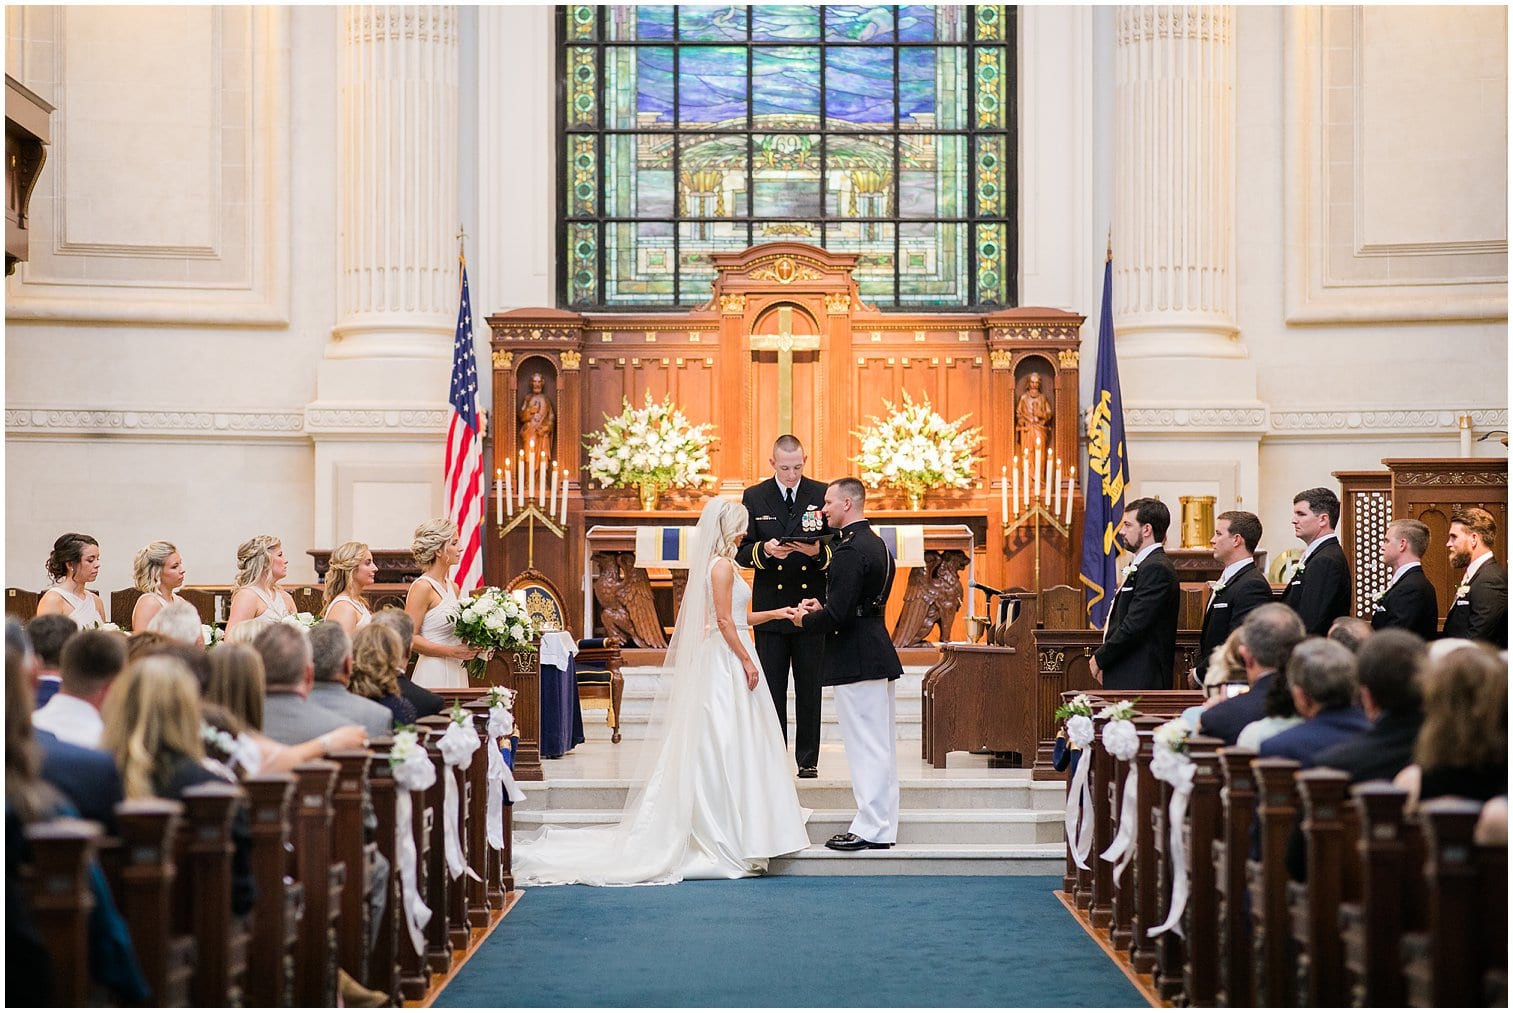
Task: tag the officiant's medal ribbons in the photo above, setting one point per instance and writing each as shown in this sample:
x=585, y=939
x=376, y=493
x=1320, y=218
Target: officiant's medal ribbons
x=812, y=523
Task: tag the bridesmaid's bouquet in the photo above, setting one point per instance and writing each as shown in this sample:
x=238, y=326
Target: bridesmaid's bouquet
x=493, y=621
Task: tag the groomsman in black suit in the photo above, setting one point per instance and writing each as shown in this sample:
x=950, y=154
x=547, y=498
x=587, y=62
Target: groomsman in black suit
x=1480, y=608
x=1241, y=587
x=1409, y=603
x=1140, y=643
x=788, y=506
x=1320, y=588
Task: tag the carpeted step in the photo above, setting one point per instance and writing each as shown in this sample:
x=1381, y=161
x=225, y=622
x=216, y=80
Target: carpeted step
x=1013, y=792
x=925, y=860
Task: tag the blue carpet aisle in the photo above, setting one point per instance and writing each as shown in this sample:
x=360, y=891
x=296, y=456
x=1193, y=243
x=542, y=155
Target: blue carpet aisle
x=794, y=941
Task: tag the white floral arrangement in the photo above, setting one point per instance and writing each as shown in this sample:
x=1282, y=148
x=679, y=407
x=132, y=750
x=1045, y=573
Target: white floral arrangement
x=1119, y=710
x=107, y=627
x=211, y=635
x=493, y=621
x=304, y=620
x=915, y=450
x=409, y=762
x=1081, y=706
x=1173, y=736
x=653, y=445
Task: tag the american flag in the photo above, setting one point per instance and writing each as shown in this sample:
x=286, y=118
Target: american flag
x=464, y=466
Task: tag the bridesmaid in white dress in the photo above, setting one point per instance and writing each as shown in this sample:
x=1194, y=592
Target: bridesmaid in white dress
x=431, y=603
x=715, y=798
x=257, y=600
x=159, y=572
x=350, y=574
x=74, y=562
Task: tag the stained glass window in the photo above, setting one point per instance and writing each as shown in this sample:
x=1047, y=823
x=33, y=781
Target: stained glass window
x=884, y=131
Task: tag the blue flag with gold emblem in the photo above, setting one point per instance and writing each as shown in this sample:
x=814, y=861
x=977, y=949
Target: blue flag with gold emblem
x=1108, y=470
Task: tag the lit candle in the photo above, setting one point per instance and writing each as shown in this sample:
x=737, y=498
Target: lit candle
x=541, y=489
x=498, y=495
x=1037, y=469
x=509, y=494
x=1071, y=490
x=520, y=482
x=567, y=484
x=556, y=479
x=1004, y=493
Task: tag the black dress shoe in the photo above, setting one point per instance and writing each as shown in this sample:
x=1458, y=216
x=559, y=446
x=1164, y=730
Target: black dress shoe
x=809, y=772
x=851, y=842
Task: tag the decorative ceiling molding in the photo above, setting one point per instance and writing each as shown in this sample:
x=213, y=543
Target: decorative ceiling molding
x=254, y=424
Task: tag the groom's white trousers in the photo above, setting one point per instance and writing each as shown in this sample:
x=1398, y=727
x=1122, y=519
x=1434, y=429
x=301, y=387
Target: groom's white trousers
x=868, y=714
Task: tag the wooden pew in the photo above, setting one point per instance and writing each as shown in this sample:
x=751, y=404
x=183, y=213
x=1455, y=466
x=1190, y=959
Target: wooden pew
x=1121, y=888
x=1372, y=927
x=1231, y=854
x=351, y=850
x=438, y=890
x=275, y=915
x=1315, y=904
x=414, y=967
x=476, y=828
x=203, y=887
x=1167, y=947
x=57, y=889
x=322, y=880
x=139, y=866
x=21, y=603
x=1101, y=906
x=122, y=603
x=383, y=962
x=1200, y=969
x=1272, y=952
x=1142, y=950
x=1445, y=964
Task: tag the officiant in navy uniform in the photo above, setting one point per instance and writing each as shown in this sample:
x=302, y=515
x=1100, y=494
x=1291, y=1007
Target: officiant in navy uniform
x=786, y=545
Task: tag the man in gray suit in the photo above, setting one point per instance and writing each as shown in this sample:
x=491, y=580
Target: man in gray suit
x=331, y=649
x=289, y=671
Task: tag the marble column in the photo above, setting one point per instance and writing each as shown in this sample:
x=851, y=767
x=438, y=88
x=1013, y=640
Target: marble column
x=379, y=417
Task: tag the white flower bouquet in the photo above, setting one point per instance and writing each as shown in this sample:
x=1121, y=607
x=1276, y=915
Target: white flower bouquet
x=304, y=620
x=493, y=621
x=654, y=446
x=914, y=450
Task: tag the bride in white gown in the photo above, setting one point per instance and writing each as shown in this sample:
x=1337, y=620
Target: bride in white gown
x=716, y=800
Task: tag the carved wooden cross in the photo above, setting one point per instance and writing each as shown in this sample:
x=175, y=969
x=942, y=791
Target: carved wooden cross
x=1060, y=609
x=785, y=342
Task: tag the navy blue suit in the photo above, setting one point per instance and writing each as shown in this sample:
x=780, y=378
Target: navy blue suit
x=87, y=776
x=1325, y=729
x=1226, y=720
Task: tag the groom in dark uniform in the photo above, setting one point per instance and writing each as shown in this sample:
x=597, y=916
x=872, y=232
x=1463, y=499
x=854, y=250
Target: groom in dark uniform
x=862, y=665
x=788, y=506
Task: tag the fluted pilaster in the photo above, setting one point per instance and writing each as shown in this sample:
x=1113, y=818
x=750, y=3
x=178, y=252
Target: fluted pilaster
x=1174, y=193
x=397, y=254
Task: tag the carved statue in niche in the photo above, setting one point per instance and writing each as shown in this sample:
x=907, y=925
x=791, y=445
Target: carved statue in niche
x=932, y=598
x=538, y=419
x=1032, y=417
x=626, y=607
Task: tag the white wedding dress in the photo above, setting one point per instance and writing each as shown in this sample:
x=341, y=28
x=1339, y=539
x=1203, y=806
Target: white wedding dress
x=719, y=800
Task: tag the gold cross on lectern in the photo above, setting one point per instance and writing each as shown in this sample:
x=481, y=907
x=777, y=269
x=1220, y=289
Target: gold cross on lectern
x=785, y=343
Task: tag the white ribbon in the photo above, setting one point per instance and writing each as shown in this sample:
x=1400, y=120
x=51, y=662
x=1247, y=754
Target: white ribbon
x=1123, y=742
x=1079, y=797
x=457, y=747
x=501, y=779
x=415, y=773
x=246, y=754
x=1176, y=770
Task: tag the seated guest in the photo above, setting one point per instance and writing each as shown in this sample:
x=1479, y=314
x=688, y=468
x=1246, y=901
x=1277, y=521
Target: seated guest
x=423, y=700
x=91, y=661
x=351, y=573
x=1479, y=610
x=1462, y=749
x=48, y=635
x=260, y=565
x=73, y=563
x=1321, y=674
x=377, y=660
x=159, y=571
x=145, y=643
x=179, y=622
x=1389, y=668
x=1349, y=632
x=1278, y=712
x=289, y=672
x=1267, y=637
x=1223, y=677
x=1409, y=603
x=237, y=687
x=332, y=653
x=153, y=729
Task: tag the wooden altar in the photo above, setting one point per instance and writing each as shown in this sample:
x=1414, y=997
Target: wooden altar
x=785, y=327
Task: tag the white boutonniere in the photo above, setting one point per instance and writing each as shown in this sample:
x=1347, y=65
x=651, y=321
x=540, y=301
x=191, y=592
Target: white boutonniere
x=1463, y=590
x=1298, y=571
x=1128, y=571
x=1376, y=599
x=1217, y=585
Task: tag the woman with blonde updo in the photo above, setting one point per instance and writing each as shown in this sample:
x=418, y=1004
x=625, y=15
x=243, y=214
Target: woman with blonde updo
x=73, y=563
x=159, y=572
x=377, y=661
x=432, y=603
x=260, y=565
x=351, y=573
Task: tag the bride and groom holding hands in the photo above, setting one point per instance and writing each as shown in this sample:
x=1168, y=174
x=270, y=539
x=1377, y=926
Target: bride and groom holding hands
x=712, y=796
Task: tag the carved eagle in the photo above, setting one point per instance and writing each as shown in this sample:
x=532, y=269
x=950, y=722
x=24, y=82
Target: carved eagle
x=626, y=607
x=932, y=598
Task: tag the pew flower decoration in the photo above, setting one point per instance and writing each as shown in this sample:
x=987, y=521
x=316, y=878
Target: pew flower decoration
x=492, y=621
x=304, y=620
x=501, y=702
x=457, y=745
x=501, y=781
x=1119, y=735
x=1081, y=704
x=1123, y=742
x=413, y=771
x=915, y=450
x=1078, y=716
x=1170, y=763
x=653, y=448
